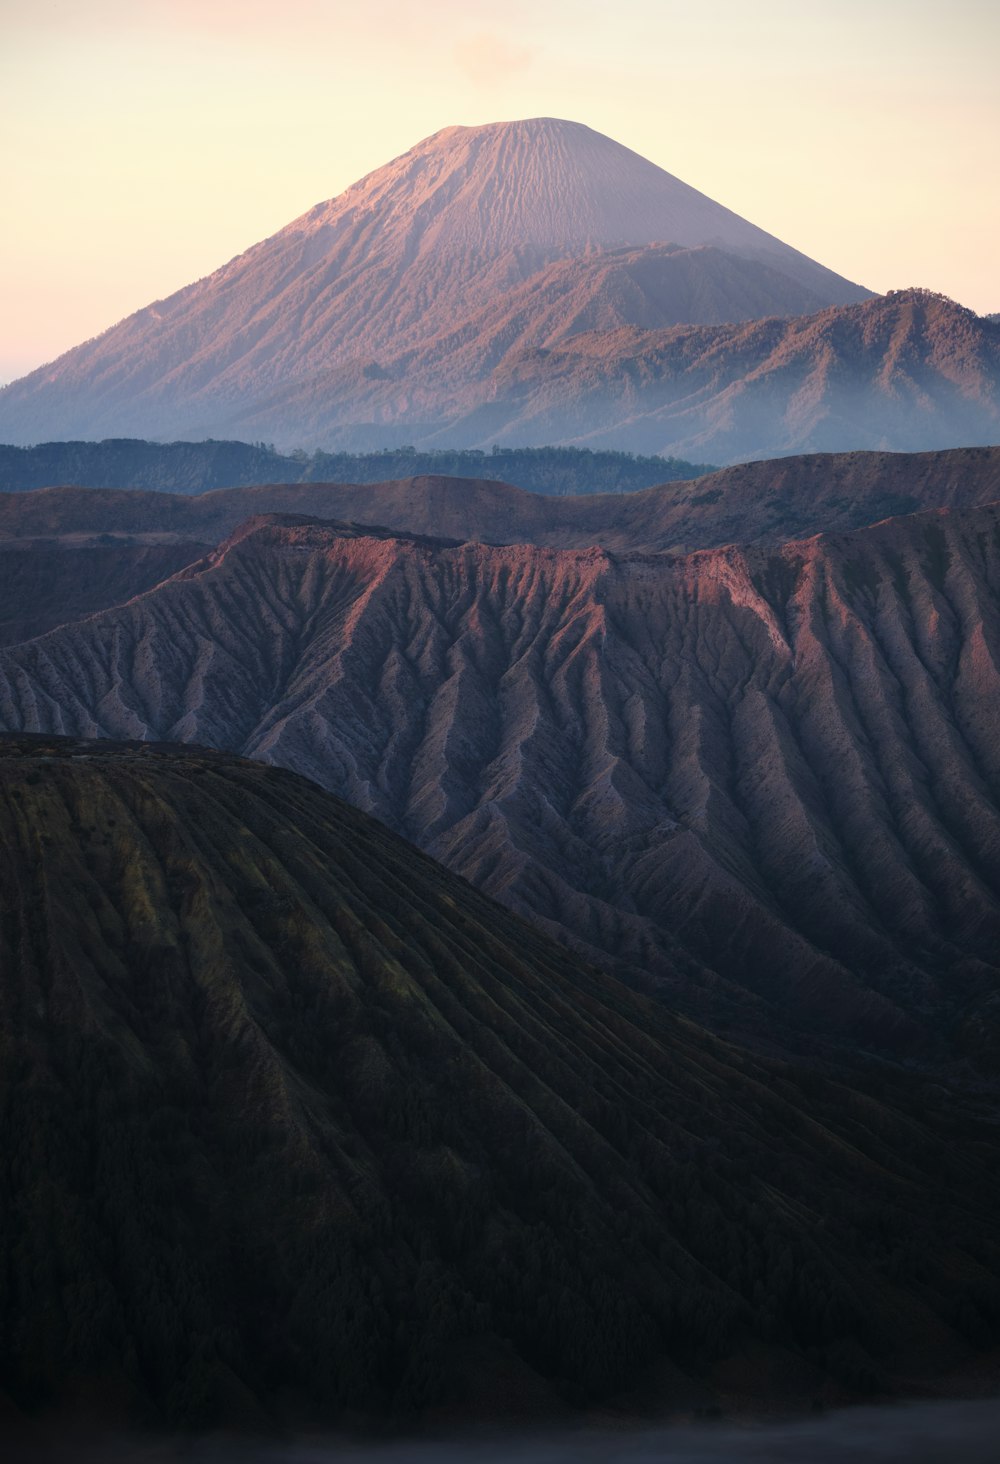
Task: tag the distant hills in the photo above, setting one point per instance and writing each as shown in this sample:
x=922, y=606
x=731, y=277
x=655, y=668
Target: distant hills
x=767, y=501
x=299, y=1128
x=909, y=371
x=197, y=467
x=792, y=745
x=366, y=315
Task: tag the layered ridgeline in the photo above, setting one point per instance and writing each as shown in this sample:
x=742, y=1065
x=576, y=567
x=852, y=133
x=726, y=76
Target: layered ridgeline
x=478, y=243
x=198, y=467
x=124, y=543
x=908, y=371
x=298, y=1125
x=763, y=780
x=760, y=501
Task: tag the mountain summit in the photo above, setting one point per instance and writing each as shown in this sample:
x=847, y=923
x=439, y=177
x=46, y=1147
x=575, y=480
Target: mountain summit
x=380, y=281
x=547, y=185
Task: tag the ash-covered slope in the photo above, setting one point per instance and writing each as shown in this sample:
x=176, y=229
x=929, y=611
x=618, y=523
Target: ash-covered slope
x=763, y=780
x=296, y=1123
x=395, y=261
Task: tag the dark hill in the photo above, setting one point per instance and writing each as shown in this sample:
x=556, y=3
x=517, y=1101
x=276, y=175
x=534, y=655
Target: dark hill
x=293, y=1119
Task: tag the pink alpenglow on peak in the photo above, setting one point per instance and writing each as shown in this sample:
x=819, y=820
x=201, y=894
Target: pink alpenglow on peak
x=375, y=283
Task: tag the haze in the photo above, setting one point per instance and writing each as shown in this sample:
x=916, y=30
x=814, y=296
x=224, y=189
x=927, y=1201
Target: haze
x=917, y=1434
x=148, y=143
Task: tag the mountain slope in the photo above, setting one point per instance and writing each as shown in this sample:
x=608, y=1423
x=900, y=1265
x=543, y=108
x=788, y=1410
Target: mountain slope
x=47, y=585
x=396, y=260
x=908, y=371
x=765, y=781
x=293, y=1119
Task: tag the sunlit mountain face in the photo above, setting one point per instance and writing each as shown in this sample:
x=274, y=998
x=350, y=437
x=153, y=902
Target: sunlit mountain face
x=478, y=244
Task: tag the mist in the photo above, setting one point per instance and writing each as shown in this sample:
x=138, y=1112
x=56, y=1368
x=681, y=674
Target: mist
x=930, y=1433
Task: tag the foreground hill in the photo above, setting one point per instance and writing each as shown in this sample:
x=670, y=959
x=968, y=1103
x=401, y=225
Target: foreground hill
x=395, y=264
x=295, y=1120
x=766, y=501
x=765, y=781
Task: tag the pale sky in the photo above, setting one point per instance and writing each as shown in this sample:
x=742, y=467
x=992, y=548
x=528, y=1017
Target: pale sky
x=146, y=142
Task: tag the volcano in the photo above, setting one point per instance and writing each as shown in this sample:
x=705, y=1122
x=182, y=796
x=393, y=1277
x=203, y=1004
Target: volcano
x=466, y=237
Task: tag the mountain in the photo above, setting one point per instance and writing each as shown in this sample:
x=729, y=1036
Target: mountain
x=297, y=1127
x=910, y=370
x=396, y=263
x=907, y=371
x=67, y=553
x=762, y=782
x=753, y=502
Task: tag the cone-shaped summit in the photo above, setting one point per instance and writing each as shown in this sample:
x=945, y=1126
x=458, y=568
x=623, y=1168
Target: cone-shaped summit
x=379, y=279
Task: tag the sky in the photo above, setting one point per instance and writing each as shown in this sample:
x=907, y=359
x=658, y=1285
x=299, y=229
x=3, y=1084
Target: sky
x=143, y=143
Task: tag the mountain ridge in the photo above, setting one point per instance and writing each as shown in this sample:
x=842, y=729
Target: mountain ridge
x=911, y=370
x=769, y=501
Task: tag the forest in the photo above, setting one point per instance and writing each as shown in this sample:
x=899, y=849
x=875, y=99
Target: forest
x=197, y=467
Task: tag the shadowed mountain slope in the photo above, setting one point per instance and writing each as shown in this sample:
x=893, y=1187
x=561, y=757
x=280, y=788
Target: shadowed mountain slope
x=293, y=1118
x=769, y=501
x=396, y=262
x=44, y=585
x=762, y=780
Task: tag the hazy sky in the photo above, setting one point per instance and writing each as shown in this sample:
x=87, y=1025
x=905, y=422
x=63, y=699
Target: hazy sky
x=145, y=142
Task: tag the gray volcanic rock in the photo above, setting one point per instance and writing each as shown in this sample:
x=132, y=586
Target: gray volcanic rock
x=397, y=262
x=764, y=780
